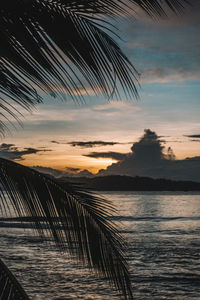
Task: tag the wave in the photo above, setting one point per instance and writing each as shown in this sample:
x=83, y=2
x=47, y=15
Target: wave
x=27, y=222
x=177, y=277
x=154, y=219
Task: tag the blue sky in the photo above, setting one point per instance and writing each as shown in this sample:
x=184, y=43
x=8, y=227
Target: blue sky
x=167, y=55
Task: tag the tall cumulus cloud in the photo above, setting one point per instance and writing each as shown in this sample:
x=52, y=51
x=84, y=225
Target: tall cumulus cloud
x=147, y=158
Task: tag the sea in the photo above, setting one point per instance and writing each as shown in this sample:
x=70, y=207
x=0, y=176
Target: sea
x=162, y=230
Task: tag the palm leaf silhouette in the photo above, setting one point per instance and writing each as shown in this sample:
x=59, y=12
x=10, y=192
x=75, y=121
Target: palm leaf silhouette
x=77, y=220
x=63, y=47
x=9, y=286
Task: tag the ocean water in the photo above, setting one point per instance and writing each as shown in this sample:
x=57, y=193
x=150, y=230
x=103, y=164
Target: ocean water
x=163, y=234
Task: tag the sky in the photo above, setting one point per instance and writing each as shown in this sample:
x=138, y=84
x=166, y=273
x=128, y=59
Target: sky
x=101, y=133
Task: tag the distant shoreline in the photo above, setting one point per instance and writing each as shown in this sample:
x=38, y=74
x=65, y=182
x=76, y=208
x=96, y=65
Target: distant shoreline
x=127, y=183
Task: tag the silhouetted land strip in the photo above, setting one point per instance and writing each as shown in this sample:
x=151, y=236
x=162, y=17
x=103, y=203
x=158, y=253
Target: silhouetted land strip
x=127, y=183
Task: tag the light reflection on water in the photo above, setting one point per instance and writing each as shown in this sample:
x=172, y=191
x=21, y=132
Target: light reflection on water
x=162, y=230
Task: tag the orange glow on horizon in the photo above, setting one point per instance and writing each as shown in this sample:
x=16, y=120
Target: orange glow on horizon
x=75, y=158
x=91, y=164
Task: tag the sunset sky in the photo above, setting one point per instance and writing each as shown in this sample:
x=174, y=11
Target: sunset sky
x=167, y=55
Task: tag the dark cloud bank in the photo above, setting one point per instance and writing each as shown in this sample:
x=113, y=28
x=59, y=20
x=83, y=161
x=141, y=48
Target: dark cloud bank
x=197, y=136
x=10, y=151
x=91, y=144
x=194, y=137
x=148, y=159
x=88, y=144
x=113, y=155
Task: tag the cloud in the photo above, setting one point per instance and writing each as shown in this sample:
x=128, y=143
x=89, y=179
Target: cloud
x=59, y=142
x=150, y=158
x=10, y=151
x=72, y=170
x=91, y=144
x=168, y=50
x=50, y=171
x=84, y=173
x=167, y=74
x=6, y=147
x=196, y=136
x=55, y=142
x=88, y=144
x=113, y=155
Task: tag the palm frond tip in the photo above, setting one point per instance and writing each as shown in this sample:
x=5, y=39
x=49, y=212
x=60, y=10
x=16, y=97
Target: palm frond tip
x=77, y=220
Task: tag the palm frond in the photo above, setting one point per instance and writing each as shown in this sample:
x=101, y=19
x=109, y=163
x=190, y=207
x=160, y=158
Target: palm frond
x=77, y=220
x=9, y=286
x=62, y=47
x=158, y=7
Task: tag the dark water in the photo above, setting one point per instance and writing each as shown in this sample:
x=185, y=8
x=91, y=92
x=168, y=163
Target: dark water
x=163, y=232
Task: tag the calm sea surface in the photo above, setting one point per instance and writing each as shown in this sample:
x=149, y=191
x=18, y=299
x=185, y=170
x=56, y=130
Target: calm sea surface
x=163, y=233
